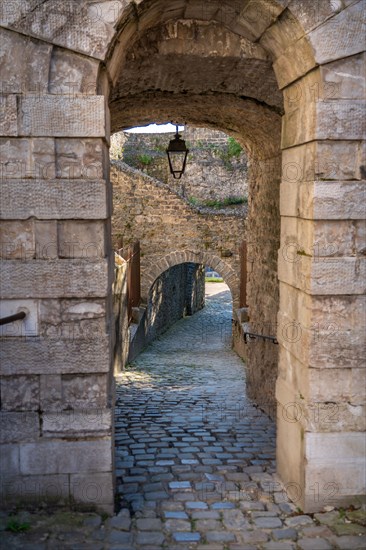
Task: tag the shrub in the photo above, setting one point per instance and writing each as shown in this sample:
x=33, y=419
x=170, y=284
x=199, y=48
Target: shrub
x=145, y=159
x=234, y=149
x=16, y=526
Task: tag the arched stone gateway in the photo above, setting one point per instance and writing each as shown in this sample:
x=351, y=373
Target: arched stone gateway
x=178, y=257
x=282, y=76
x=173, y=231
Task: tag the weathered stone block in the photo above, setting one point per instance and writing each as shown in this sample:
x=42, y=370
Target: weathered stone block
x=278, y=37
x=95, y=490
x=312, y=14
x=19, y=426
x=75, y=310
x=344, y=33
x=49, y=356
x=85, y=391
x=360, y=238
x=24, y=159
x=327, y=276
x=42, y=153
x=108, y=11
x=344, y=79
x=334, y=483
x=46, y=240
x=296, y=61
x=203, y=12
x=70, y=24
x=312, y=113
x=289, y=453
x=71, y=73
x=65, y=278
x=334, y=238
x=316, y=415
x=36, y=489
x=61, y=199
x=17, y=240
x=29, y=326
x=298, y=124
x=257, y=16
x=346, y=312
x=80, y=158
x=81, y=239
x=9, y=460
x=323, y=200
x=319, y=331
x=87, y=422
x=20, y=393
x=362, y=159
x=50, y=311
x=340, y=119
x=320, y=448
x=327, y=351
x=325, y=160
x=11, y=11
x=50, y=393
x=62, y=116
x=317, y=239
x=79, y=330
x=62, y=457
x=24, y=63
x=8, y=115
x=317, y=384
x=342, y=417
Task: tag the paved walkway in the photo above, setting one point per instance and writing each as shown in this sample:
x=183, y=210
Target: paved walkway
x=194, y=459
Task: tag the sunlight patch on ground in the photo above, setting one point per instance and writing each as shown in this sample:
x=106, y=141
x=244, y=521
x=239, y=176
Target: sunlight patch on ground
x=215, y=288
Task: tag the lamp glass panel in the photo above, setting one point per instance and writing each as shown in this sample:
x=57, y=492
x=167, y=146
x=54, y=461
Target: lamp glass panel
x=177, y=160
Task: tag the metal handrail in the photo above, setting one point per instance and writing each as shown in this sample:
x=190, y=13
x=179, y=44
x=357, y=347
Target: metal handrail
x=254, y=336
x=11, y=318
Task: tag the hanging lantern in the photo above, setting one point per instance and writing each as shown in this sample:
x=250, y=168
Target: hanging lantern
x=177, y=155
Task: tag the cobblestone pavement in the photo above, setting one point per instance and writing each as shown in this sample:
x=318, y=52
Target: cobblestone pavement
x=195, y=459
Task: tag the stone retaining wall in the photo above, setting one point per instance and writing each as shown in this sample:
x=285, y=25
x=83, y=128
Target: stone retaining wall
x=177, y=292
x=164, y=223
x=216, y=168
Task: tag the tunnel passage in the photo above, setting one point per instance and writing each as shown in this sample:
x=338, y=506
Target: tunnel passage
x=177, y=292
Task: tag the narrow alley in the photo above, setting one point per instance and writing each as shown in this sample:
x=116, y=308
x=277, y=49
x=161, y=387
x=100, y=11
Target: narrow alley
x=194, y=457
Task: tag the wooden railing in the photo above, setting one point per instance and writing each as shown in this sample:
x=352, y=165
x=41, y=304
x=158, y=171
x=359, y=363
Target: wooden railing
x=131, y=254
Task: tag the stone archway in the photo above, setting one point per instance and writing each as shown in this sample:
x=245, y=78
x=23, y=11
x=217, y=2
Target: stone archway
x=179, y=257
x=55, y=127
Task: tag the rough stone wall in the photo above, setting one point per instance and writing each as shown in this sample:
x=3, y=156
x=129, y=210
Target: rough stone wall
x=263, y=243
x=179, y=291
x=164, y=222
x=214, y=171
x=195, y=288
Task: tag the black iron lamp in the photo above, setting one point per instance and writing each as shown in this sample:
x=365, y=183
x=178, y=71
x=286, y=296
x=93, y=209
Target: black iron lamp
x=177, y=155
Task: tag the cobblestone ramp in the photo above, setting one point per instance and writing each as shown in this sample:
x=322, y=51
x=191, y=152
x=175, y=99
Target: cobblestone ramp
x=195, y=458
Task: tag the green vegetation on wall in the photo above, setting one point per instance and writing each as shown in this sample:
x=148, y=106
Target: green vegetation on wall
x=216, y=203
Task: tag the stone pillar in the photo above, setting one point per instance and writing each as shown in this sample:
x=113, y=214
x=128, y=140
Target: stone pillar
x=320, y=388
x=56, y=377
